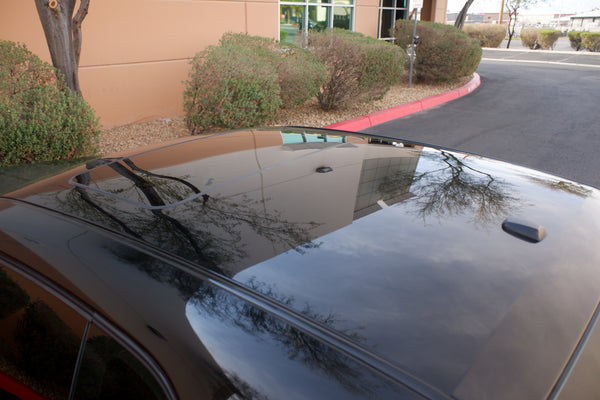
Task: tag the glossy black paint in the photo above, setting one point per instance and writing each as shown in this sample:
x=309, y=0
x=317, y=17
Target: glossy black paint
x=242, y=268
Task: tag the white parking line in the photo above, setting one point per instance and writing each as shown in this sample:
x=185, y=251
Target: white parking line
x=540, y=62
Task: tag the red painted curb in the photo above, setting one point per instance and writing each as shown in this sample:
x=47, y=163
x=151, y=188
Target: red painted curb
x=402, y=110
x=16, y=388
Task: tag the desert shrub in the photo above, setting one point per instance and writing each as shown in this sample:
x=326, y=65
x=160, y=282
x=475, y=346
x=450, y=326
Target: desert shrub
x=488, y=35
x=548, y=37
x=381, y=66
x=230, y=86
x=443, y=52
x=40, y=118
x=300, y=76
x=266, y=48
x=403, y=32
x=590, y=41
x=529, y=37
x=360, y=68
x=575, y=39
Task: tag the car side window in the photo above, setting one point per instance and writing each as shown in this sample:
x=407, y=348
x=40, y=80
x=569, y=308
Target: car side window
x=109, y=371
x=40, y=338
x=40, y=345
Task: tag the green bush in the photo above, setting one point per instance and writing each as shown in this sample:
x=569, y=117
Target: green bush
x=244, y=80
x=381, y=66
x=40, y=118
x=360, y=68
x=230, y=86
x=575, y=40
x=529, y=37
x=488, y=35
x=590, y=41
x=300, y=75
x=443, y=52
x=548, y=37
x=266, y=48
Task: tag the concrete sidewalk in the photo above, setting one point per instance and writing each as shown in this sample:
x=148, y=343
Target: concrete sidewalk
x=543, y=56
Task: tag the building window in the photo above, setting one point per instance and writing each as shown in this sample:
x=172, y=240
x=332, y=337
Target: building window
x=389, y=12
x=296, y=17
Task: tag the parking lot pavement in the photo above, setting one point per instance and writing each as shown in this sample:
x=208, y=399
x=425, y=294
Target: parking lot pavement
x=540, y=115
x=545, y=56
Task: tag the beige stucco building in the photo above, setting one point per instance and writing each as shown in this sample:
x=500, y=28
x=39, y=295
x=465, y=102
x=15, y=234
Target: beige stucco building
x=135, y=53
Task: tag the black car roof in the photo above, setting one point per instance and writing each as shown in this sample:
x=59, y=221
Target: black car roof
x=395, y=249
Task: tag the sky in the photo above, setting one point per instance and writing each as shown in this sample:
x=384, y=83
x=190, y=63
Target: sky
x=542, y=7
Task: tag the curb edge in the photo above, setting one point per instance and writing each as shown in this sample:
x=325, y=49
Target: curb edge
x=402, y=110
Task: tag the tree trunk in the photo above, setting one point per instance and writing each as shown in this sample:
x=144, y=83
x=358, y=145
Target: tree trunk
x=63, y=35
x=512, y=15
x=462, y=16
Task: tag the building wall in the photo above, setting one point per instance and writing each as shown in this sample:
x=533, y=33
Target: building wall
x=135, y=53
x=434, y=10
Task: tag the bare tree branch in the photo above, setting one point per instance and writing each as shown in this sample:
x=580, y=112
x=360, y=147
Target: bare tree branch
x=513, y=7
x=77, y=21
x=462, y=16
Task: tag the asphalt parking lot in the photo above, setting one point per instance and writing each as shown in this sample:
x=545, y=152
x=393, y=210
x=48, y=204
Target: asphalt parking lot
x=537, y=109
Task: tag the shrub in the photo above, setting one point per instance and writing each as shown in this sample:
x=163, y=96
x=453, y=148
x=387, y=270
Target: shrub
x=40, y=118
x=300, y=76
x=548, y=37
x=488, y=35
x=266, y=48
x=245, y=79
x=529, y=37
x=381, y=66
x=360, y=68
x=230, y=86
x=590, y=41
x=443, y=52
x=575, y=40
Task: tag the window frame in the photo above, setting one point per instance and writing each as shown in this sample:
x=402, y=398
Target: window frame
x=92, y=318
x=394, y=9
x=305, y=4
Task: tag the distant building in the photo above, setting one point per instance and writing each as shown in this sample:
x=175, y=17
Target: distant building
x=561, y=22
x=589, y=21
x=471, y=18
x=537, y=20
x=479, y=18
x=492, y=18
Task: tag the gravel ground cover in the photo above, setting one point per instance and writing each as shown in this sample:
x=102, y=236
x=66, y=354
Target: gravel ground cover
x=309, y=114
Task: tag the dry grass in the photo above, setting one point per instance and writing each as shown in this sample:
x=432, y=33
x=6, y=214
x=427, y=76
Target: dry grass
x=309, y=114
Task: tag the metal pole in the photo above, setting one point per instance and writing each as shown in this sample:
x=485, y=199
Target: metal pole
x=412, y=53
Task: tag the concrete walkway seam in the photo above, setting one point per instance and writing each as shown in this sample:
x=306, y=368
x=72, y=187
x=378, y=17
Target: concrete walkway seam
x=402, y=110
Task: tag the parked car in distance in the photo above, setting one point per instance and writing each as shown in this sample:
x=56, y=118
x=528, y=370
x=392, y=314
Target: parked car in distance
x=297, y=263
